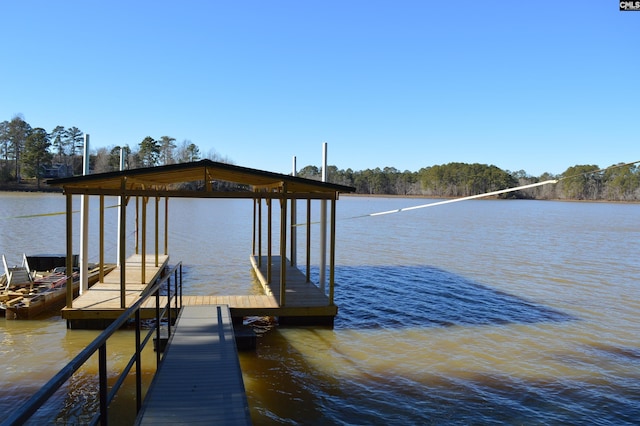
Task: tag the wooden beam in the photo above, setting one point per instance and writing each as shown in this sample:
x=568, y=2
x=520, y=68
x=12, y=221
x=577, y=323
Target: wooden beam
x=137, y=192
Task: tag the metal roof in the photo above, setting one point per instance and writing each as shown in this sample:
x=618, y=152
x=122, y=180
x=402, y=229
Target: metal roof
x=157, y=180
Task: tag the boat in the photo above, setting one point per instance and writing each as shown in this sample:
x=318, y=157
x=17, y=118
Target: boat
x=27, y=293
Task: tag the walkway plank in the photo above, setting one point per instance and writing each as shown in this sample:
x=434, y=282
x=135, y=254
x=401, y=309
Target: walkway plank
x=199, y=380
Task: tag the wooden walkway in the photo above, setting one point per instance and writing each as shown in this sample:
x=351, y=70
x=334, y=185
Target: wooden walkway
x=199, y=380
x=102, y=300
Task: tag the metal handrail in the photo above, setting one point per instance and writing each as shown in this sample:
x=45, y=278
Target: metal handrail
x=99, y=344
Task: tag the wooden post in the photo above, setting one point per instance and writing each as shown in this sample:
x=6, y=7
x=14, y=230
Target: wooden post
x=294, y=220
x=137, y=226
x=166, y=225
x=253, y=228
x=69, y=259
x=119, y=209
x=101, y=266
x=283, y=247
x=84, y=223
x=143, y=264
x=269, y=240
x=259, y=232
x=332, y=251
x=308, y=239
x=123, y=244
x=323, y=224
x=157, y=230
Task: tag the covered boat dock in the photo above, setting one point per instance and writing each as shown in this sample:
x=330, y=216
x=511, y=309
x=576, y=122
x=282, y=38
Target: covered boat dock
x=289, y=293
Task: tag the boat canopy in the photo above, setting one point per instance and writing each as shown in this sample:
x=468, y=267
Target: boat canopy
x=166, y=180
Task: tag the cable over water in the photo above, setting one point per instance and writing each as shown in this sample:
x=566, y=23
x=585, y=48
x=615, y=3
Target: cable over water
x=486, y=194
x=471, y=197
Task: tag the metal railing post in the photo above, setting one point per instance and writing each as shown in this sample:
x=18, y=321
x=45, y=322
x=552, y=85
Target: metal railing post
x=168, y=307
x=102, y=368
x=138, y=364
x=99, y=345
x=158, y=328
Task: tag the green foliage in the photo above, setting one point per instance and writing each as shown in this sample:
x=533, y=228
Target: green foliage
x=581, y=183
x=149, y=152
x=461, y=179
x=36, y=153
x=167, y=146
x=193, y=152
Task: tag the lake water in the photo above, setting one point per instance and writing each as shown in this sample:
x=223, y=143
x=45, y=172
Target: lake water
x=478, y=312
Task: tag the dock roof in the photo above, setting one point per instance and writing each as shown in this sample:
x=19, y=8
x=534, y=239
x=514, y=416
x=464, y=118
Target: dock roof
x=159, y=181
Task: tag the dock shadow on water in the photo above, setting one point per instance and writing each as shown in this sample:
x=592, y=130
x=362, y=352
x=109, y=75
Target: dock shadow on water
x=425, y=296
x=421, y=345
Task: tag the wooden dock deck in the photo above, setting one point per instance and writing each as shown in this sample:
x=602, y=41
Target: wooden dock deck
x=199, y=380
x=304, y=301
x=102, y=300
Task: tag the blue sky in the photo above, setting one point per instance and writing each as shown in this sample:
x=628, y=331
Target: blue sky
x=535, y=86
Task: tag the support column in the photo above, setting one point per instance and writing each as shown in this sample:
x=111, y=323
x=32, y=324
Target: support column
x=269, y=201
x=259, y=232
x=283, y=248
x=254, y=228
x=137, y=224
x=119, y=211
x=323, y=224
x=101, y=266
x=122, y=245
x=332, y=251
x=84, y=223
x=143, y=260
x=69, y=259
x=308, y=239
x=166, y=225
x=294, y=221
x=157, y=231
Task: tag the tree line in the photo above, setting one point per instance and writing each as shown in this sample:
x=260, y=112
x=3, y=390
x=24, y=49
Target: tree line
x=34, y=153
x=618, y=182
x=30, y=152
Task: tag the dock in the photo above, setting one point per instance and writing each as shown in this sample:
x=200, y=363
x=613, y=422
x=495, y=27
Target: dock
x=305, y=303
x=199, y=380
x=101, y=302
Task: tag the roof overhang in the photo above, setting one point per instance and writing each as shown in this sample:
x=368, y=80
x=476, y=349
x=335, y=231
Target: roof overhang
x=161, y=181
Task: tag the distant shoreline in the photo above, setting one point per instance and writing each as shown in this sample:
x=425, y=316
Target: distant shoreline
x=27, y=186
x=44, y=188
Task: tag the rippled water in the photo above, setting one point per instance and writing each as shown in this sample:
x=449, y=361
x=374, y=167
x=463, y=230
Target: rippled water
x=480, y=312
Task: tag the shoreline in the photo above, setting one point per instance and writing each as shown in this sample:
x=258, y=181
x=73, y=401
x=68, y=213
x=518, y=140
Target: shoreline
x=27, y=186
x=44, y=188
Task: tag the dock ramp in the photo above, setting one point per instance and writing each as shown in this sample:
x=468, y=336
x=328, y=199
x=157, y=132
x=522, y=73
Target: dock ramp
x=199, y=380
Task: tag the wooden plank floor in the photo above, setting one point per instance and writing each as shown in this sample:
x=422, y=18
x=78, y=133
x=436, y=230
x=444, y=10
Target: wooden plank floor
x=199, y=380
x=302, y=299
x=299, y=292
x=102, y=300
